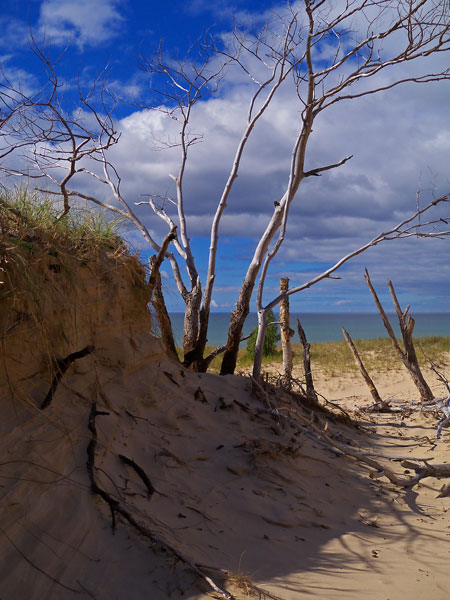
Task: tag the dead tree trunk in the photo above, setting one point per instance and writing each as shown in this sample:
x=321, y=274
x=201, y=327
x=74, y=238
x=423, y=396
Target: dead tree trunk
x=286, y=333
x=310, y=391
x=408, y=356
x=238, y=316
x=156, y=261
x=159, y=305
x=191, y=315
x=364, y=373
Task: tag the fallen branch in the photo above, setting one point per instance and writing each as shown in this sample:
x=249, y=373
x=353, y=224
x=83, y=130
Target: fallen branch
x=437, y=471
x=443, y=405
x=116, y=506
x=343, y=449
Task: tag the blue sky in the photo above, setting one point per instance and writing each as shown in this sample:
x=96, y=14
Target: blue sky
x=400, y=142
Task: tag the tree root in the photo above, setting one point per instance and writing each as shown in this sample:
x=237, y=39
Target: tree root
x=116, y=506
x=62, y=365
x=140, y=471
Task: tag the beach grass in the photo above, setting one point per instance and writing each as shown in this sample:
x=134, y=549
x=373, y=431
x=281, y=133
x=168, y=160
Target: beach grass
x=334, y=358
x=26, y=215
x=377, y=354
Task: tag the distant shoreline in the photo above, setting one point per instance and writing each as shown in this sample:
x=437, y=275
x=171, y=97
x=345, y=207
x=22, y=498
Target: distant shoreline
x=326, y=327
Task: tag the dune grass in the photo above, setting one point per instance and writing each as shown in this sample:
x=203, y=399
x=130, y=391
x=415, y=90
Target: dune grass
x=334, y=357
x=35, y=240
x=27, y=215
x=377, y=354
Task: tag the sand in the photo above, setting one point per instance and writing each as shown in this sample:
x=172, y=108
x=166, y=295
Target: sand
x=247, y=496
x=254, y=500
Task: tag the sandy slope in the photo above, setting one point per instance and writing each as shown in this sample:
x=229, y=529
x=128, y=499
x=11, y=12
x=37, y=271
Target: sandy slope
x=241, y=493
x=249, y=497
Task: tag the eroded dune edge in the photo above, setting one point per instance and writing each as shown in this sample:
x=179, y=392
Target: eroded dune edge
x=198, y=483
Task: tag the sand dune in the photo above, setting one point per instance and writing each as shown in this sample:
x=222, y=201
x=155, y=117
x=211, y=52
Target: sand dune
x=254, y=501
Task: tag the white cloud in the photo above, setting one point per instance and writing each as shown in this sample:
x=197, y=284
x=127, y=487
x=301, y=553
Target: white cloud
x=398, y=139
x=84, y=22
x=16, y=78
x=15, y=33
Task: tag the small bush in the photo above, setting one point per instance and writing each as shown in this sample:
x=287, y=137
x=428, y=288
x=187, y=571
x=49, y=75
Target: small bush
x=271, y=341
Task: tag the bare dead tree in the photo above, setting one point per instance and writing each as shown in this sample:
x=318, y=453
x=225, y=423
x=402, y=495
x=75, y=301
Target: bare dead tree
x=191, y=82
x=183, y=83
x=412, y=226
x=418, y=28
x=367, y=39
x=408, y=354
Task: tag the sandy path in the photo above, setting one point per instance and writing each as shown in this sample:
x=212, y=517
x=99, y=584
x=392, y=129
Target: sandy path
x=396, y=544
x=379, y=542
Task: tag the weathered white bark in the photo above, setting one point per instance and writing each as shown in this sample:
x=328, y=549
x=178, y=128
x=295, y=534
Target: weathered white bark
x=408, y=355
x=259, y=345
x=362, y=368
x=280, y=72
x=409, y=227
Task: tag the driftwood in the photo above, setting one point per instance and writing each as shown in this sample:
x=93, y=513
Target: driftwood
x=436, y=471
x=370, y=384
x=116, y=506
x=444, y=405
x=320, y=436
x=310, y=391
x=408, y=356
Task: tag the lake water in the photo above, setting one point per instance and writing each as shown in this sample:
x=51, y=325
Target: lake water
x=326, y=327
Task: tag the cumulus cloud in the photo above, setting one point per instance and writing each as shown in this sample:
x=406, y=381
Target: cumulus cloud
x=399, y=139
x=85, y=23
x=15, y=33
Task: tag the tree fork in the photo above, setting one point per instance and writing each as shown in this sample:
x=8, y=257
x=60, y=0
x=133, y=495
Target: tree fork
x=409, y=357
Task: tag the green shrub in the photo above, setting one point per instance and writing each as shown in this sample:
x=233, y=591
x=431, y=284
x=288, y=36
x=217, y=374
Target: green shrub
x=272, y=338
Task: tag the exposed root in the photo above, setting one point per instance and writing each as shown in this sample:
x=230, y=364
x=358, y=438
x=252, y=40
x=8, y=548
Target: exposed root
x=140, y=471
x=116, y=506
x=61, y=367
